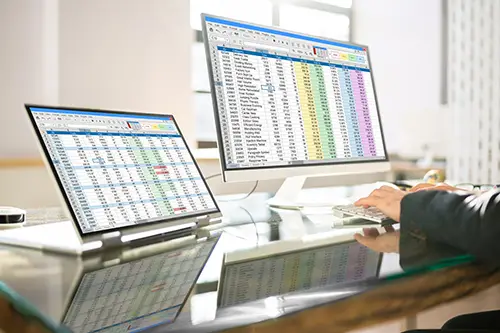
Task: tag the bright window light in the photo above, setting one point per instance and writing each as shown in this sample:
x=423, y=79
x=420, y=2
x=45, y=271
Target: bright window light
x=256, y=11
x=314, y=22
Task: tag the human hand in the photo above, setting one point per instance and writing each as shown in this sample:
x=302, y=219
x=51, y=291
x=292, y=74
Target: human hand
x=438, y=187
x=387, y=199
x=387, y=242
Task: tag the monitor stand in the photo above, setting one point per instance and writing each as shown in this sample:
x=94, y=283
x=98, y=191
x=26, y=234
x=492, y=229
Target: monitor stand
x=287, y=196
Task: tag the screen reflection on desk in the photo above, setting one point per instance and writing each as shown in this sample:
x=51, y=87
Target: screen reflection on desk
x=139, y=294
x=283, y=273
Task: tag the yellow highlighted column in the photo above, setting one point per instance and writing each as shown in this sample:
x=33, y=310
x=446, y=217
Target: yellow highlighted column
x=308, y=110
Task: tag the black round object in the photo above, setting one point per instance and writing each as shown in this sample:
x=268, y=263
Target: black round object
x=14, y=218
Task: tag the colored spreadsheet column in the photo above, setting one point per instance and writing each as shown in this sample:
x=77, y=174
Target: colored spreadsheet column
x=364, y=112
x=358, y=100
x=308, y=109
x=145, y=160
x=323, y=112
x=350, y=113
x=161, y=173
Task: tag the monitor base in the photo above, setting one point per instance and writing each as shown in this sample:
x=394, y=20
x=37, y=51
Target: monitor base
x=287, y=197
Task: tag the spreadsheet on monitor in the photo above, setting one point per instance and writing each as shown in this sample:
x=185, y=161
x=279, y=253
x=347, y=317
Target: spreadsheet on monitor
x=120, y=169
x=137, y=295
x=289, y=99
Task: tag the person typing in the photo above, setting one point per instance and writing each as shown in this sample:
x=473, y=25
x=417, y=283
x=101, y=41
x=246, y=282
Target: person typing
x=466, y=221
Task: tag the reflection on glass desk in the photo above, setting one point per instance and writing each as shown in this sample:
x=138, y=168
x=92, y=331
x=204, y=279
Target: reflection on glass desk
x=285, y=267
x=139, y=294
x=131, y=289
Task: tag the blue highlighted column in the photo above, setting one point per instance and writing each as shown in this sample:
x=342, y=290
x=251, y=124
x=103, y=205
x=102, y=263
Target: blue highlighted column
x=350, y=114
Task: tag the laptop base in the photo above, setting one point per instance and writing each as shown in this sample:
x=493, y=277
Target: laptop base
x=56, y=237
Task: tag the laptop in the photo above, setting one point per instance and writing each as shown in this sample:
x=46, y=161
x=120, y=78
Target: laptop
x=288, y=266
x=137, y=290
x=122, y=176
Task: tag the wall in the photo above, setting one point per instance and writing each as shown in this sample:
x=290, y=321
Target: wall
x=25, y=39
x=127, y=54
x=123, y=54
x=404, y=38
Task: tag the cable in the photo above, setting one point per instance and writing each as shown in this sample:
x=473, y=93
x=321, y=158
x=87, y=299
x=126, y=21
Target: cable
x=257, y=237
x=243, y=208
x=254, y=224
x=213, y=176
x=237, y=199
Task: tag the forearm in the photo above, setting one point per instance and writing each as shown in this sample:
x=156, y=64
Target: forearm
x=464, y=221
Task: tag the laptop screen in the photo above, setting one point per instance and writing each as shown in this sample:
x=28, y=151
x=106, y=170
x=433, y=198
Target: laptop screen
x=282, y=273
x=121, y=169
x=137, y=295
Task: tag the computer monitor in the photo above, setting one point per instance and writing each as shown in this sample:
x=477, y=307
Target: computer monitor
x=121, y=170
x=289, y=105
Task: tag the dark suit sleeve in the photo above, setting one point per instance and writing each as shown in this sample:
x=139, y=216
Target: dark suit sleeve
x=465, y=222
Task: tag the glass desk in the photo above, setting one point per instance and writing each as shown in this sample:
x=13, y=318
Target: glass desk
x=51, y=281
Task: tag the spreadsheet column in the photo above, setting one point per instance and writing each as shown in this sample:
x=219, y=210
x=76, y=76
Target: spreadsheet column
x=338, y=122
x=325, y=258
x=126, y=151
x=350, y=112
x=232, y=127
x=375, y=121
x=177, y=175
x=365, y=129
x=284, y=116
x=306, y=272
x=163, y=173
x=167, y=174
x=271, y=125
x=160, y=173
x=73, y=162
x=322, y=111
x=366, y=113
x=144, y=158
x=254, y=118
x=62, y=141
x=308, y=110
x=191, y=186
x=291, y=105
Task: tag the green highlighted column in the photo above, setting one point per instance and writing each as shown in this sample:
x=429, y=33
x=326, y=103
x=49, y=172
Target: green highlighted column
x=323, y=112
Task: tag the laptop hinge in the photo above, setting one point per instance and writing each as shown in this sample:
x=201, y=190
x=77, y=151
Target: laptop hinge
x=112, y=239
x=203, y=221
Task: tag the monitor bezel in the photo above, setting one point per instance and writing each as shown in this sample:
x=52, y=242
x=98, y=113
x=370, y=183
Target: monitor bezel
x=125, y=230
x=283, y=171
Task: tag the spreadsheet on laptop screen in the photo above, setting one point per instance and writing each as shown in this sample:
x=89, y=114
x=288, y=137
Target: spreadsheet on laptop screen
x=137, y=295
x=255, y=279
x=121, y=169
x=288, y=99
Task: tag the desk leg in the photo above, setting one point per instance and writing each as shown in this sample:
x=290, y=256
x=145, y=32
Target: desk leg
x=409, y=323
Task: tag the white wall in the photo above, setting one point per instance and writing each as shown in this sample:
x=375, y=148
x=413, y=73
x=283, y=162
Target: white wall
x=404, y=38
x=25, y=37
x=127, y=54
x=122, y=54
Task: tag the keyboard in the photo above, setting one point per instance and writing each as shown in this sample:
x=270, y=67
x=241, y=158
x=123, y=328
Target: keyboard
x=371, y=213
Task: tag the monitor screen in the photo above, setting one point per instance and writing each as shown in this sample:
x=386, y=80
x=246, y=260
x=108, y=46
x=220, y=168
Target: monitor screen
x=137, y=295
x=120, y=169
x=286, y=99
x=283, y=273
